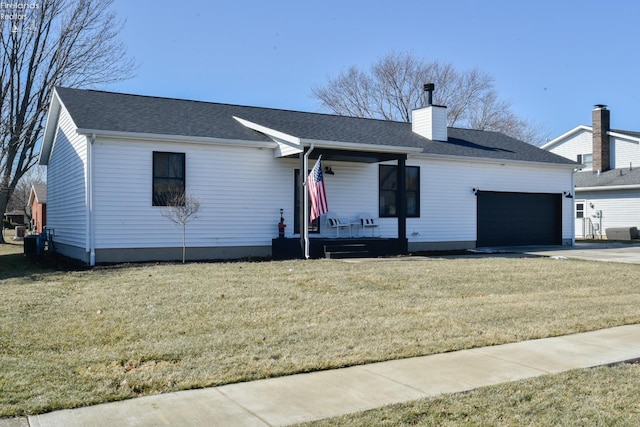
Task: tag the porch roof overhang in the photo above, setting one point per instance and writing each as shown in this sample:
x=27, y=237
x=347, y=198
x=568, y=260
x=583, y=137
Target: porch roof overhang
x=292, y=146
x=353, y=155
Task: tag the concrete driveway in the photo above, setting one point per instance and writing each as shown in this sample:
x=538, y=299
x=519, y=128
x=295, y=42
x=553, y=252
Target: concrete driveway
x=605, y=251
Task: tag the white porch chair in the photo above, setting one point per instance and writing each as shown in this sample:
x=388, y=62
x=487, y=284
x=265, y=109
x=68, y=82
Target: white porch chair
x=368, y=222
x=338, y=223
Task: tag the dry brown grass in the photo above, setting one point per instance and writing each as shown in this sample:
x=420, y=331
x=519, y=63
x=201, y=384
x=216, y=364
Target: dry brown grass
x=76, y=338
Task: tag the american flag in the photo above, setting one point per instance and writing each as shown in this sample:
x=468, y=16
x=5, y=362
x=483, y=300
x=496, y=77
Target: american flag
x=318, y=196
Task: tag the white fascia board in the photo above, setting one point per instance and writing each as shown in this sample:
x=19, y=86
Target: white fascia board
x=496, y=161
x=32, y=195
x=608, y=188
x=624, y=136
x=55, y=105
x=287, y=144
x=356, y=146
x=175, y=138
x=565, y=135
x=268, y=131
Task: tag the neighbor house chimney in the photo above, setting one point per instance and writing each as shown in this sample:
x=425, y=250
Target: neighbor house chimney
x=601, y=143
x=430, y=121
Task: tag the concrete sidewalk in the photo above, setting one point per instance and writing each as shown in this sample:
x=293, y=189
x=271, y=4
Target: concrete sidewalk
x=313, y=396
x=604, y=251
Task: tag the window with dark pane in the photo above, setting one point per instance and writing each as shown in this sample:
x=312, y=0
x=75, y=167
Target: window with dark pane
x=388, y=189
x=168, y=178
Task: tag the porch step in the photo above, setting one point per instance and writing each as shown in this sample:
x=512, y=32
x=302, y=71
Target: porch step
x=356, y=250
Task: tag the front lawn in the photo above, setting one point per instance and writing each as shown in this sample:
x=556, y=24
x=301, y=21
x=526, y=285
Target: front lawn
x=77, y=338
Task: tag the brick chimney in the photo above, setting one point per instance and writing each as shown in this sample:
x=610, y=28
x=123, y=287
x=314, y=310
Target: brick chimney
x=431, y=120
x=601, y=144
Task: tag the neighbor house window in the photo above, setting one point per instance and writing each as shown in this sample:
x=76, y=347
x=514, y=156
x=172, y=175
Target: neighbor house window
x=168, y=177
x=388, y=190
x=586, y=159
x=579, y=210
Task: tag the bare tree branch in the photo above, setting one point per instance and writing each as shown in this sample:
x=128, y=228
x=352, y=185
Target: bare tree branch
x=58, y=43
x=181, y=209
x=393, y=87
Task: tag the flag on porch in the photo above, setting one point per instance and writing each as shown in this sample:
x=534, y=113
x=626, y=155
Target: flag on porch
x=317, y=193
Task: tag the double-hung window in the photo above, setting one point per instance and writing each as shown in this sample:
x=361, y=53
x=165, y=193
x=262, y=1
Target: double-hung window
x=168, y=178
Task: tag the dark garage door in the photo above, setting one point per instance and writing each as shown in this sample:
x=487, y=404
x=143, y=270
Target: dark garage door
x=513, y=219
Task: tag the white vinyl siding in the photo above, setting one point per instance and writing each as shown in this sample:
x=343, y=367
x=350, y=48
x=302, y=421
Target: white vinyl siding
x=240, y=190
x=449, y=207
x=66, y=189
x=579, y=143
x=619, y=209
x=625, y=153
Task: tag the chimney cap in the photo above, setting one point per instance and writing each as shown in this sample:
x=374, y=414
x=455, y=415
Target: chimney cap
x=429, y=87
x=600, y=107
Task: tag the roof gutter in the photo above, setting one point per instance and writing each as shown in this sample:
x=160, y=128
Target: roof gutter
x=175, y=138
x=447, y=157
x=610, y=187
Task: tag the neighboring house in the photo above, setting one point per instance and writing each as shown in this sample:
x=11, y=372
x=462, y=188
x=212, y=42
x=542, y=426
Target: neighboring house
x=607, y=189
x=16, y=217
x=38, y=204
x=113, y=158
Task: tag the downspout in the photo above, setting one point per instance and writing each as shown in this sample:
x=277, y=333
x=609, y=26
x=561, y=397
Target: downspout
x=573, y=208
x=305, y=208
x=90, y=218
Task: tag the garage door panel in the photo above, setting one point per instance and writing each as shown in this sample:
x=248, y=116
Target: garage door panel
x=512, y=219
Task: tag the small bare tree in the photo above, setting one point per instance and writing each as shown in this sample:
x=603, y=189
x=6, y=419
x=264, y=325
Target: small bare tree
x=181, y=209
x=393, y=87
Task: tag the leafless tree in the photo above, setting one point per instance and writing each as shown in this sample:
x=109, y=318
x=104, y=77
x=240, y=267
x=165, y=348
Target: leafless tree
x=49, y=43
x=393, y=86
x=181, y=209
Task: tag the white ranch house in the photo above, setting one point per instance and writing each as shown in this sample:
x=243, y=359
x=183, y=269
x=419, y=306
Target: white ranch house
x=112, y=157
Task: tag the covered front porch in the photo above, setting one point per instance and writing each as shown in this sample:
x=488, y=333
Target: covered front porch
x=349, y=216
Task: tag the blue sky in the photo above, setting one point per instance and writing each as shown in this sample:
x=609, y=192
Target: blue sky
x=553, y=60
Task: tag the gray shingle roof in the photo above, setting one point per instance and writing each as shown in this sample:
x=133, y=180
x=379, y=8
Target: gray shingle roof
x=41, y=192
x=116, y=112
x=611, y=177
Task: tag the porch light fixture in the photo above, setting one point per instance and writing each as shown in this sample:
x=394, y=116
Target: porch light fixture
x=568, y=194
x=475, y=191
x=328, y=171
